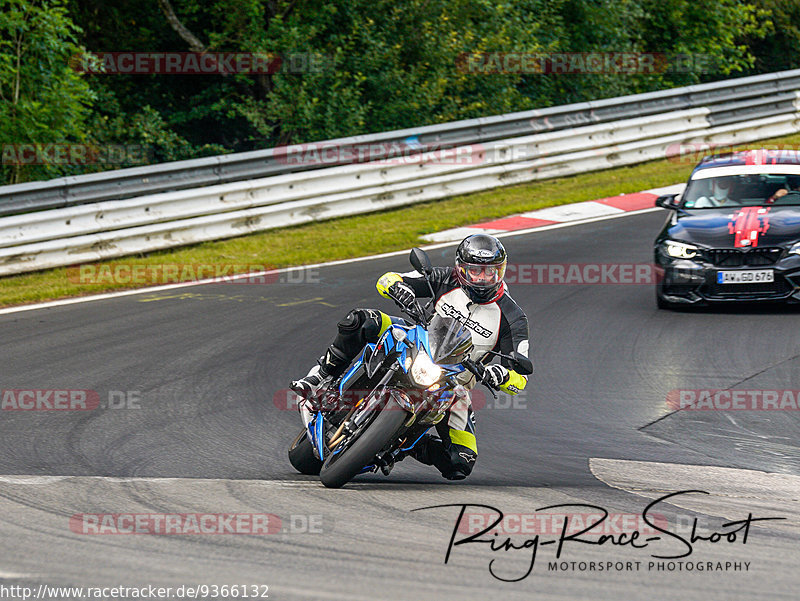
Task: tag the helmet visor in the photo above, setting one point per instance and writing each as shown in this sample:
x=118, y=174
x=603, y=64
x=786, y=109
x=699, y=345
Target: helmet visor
x=481, y=276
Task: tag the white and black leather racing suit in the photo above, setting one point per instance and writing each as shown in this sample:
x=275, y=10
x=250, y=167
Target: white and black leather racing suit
x=499, y=325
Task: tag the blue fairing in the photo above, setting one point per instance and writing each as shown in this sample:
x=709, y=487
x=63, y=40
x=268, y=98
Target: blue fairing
x=419, y=335
x=358, y=362
x=416, y=338
x=318, y=435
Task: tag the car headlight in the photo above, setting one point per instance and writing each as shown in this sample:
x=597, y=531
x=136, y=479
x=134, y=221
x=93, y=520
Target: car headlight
x=795, y=249
x=425, y=372
x=680, y=250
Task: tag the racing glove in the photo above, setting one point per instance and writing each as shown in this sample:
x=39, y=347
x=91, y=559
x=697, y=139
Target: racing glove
x=386, y=281
x=391, y=285
x=515, y=383
x=402, y=293
x=496, y=375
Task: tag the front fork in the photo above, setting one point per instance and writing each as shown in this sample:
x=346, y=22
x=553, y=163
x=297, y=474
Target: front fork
x=315, y=423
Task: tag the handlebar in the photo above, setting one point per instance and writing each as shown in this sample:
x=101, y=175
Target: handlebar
x=479, y=371
x=414, y=310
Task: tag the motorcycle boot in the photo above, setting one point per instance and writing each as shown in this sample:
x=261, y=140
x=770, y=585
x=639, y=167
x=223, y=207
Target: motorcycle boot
x=330, y=366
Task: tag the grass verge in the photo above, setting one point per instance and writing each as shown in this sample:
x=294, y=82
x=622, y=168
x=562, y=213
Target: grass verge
x=374, y=233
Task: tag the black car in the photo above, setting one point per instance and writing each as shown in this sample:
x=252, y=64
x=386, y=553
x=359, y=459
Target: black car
x=734, y=234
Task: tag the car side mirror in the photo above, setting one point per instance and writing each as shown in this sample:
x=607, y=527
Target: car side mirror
x=521, y=364
x=420, y=261
x=667, y=201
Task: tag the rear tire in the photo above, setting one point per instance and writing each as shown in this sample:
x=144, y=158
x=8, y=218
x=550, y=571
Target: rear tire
x=301, y=456
x=339, y=469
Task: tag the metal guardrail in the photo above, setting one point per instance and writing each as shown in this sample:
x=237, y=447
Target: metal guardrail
x=113, y=215
x=89, y=232
x=171, y=219
x=728, y=101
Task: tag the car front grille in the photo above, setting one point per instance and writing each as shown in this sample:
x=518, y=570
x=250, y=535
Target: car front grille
x=743, y=257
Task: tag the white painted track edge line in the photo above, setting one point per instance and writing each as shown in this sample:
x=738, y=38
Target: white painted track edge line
x=122, y=293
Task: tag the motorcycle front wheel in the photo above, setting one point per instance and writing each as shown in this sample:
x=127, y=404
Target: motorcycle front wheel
x=341, y=467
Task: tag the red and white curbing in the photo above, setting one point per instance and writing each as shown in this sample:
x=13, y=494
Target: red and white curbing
x=602, y=207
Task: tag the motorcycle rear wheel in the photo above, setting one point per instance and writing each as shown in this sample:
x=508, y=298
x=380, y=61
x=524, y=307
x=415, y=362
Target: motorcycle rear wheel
x=301, y=455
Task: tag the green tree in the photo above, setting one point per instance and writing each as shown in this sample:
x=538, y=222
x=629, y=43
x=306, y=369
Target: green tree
x=710, y=33
x=376, y=64
x=42, y=99
x=778, y=50
x=691, y=41
x=391, y=65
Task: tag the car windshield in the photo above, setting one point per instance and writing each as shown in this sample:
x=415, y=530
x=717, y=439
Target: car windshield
x=742, y=191
x=449, y=341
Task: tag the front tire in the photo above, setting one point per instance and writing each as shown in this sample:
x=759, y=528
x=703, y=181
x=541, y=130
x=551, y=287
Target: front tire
x=301, y=456
x=342, y=467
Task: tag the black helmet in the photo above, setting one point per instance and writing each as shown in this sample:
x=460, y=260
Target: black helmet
x=480, y=266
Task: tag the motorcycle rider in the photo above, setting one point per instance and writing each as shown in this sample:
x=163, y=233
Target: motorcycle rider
x=473, y=291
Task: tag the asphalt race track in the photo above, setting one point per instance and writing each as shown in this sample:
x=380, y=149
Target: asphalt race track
x=202, y=430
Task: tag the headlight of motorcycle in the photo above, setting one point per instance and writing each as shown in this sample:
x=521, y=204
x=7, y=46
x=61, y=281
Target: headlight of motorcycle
x=795, y=249
x=425, y=372
x=680, y=250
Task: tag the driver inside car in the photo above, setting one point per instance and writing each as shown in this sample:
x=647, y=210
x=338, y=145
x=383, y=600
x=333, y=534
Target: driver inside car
x=472, y=291
x=792, y=185
x=718, y=194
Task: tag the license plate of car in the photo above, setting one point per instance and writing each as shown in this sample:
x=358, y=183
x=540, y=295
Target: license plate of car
x=752, y=276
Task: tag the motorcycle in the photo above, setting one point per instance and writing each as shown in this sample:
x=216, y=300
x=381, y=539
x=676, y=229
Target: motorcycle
x=395, y=391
